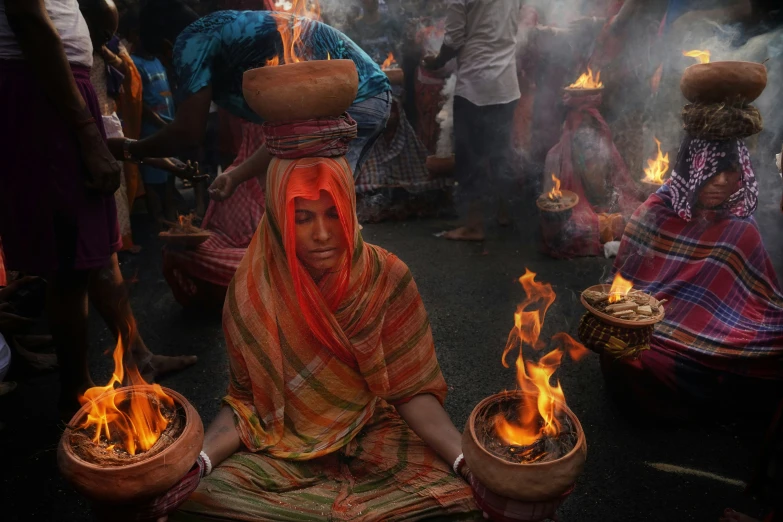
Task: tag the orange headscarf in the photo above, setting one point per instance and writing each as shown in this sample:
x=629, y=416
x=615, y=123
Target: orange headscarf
x=308, y=361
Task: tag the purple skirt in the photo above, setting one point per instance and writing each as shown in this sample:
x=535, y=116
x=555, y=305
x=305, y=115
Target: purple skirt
x=49, y=221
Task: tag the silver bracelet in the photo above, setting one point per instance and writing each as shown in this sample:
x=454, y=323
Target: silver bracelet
x=457, y=462
x=207, y=463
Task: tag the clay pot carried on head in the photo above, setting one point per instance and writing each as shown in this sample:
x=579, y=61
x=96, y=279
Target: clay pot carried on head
x=717, y=82
x=301, y=91
x=537, y=482
x=144, y=479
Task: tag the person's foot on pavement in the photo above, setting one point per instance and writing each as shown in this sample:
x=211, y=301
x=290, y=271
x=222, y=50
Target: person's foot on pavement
x=465, y=234
x=157, y=366
x=729, y=515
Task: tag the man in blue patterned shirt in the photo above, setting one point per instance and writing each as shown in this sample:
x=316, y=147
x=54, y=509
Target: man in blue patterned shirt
x=207, y=58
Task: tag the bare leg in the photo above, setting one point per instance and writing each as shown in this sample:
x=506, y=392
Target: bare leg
x=110, y=297
x=66, y=307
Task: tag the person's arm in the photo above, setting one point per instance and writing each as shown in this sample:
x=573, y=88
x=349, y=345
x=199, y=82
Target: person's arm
x=44, y=53
x=221, y=439
x=427, y=418
x=113, y=59
x=454, y=39
x=151, y=116
x=185, y=132
x=255, y=166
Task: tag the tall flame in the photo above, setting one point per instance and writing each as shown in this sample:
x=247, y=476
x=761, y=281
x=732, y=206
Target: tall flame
x=555, y=194
x=586, y=81
x=657, y=167
x=541, y=401
x=137, y=425
x=389, y=61
x=620, y=288
x=289, y=25
x=702, y=56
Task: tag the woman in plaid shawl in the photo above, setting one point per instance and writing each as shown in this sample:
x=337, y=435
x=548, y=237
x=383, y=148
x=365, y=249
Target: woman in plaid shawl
x=695, y=244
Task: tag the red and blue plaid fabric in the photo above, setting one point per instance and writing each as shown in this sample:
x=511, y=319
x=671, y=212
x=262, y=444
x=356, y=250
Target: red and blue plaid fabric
x=725, y=307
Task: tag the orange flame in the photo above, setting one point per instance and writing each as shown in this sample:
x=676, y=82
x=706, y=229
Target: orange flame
x=289, y=25
x=389, y=61
x=657, y=168
x=702, y=56
x=586, y=81
x=541, y=402
x=655, y=81
x=555, y=194
x=620, y=288
x=135, y=426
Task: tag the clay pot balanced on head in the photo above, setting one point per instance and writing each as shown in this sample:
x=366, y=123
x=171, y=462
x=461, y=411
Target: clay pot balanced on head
x=718, y=82
x=302, y=90
x=146, y=477
x=540, y=484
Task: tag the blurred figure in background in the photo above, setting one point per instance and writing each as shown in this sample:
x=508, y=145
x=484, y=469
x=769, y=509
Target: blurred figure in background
x=482, y=36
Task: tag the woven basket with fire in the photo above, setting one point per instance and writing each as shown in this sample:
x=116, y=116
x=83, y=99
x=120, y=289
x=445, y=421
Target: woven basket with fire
x=527, y=445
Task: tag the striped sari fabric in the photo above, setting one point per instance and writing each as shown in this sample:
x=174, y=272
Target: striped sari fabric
x=313, y=371
x=725, y=307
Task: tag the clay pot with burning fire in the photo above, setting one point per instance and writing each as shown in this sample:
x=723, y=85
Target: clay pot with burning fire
x=719, y=82
x=131, y=443
x=125, y=479
x=527, y=444
x=529, y=482
x=301, y=90
x=440, y=167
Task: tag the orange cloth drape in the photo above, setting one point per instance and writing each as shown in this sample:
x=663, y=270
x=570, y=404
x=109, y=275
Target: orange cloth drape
x=307, y=361
x=129, y=109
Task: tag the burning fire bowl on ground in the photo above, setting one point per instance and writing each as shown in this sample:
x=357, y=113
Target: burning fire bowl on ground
x=301, y=90
x=111, y=476
x=566, y=201
x=717, y=82
x=541, y=473
x=634, y=310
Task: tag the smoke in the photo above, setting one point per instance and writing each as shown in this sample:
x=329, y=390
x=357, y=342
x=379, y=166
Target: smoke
x=445, y=119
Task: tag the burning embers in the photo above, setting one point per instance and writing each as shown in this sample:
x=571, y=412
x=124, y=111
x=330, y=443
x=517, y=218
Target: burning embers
x=621, y=304
x=389, y=62
x=557, y=200
x=120, y=423
x=534, y=428
x=701, y=56
x=587, y=81
x=656, y=167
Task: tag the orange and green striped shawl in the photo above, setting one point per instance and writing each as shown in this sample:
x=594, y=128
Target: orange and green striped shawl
x=294, y=396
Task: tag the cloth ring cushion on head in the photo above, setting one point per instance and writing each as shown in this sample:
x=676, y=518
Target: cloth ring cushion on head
x=320, y=137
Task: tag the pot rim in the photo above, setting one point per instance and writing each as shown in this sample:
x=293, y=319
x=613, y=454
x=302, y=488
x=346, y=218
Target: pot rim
x=580, y=439
x=178, y=398
x=732, y=63
x=266, y=69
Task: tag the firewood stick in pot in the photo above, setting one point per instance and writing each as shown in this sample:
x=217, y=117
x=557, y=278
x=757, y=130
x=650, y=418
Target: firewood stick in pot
x=621, y=307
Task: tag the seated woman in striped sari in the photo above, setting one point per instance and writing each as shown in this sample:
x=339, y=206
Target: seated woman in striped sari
x=334, y=406
x=695, y=244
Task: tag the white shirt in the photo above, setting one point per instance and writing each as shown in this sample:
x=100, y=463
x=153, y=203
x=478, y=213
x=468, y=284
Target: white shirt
x=485, y=34
x=70, y=25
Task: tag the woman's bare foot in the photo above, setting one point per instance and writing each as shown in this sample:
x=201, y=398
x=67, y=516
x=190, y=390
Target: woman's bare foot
x=465, y=234
x=729, y=515
x=159, y=365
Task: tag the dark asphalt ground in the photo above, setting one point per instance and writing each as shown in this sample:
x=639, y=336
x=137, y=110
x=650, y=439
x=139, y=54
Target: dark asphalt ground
x=471, y=296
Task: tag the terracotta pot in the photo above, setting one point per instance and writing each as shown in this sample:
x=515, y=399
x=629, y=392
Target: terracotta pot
x=440, y=167
x=141, y=480
x=650, y=188
x=723, y=81
x=301, y=91
x=526, y=482
x=583, y=92
x=396, y=76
